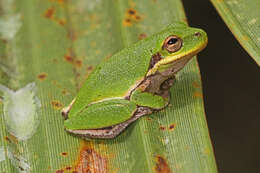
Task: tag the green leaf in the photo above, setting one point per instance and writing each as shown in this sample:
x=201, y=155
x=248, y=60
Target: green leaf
x=55, y=44
x=243, y=19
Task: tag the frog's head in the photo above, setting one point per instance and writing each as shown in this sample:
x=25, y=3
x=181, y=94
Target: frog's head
x=177, y=44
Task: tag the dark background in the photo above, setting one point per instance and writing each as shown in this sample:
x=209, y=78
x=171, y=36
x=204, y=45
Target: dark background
x=230, y=84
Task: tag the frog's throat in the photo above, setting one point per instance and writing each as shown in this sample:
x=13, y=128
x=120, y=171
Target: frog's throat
x=175, y=59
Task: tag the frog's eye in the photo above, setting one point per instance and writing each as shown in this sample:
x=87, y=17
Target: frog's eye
x=172, y=43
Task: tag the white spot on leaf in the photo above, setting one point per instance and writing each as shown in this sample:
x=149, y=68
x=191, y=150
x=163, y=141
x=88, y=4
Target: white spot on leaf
x=166, y=141
x=2, y=154
x=21, y=111
x=253, y=21
x=20, y=163
x=9, y=26
x=87, y=5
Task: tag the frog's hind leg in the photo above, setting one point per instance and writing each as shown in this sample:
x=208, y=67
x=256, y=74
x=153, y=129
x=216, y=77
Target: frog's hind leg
x=104, y=119
x=113, y=131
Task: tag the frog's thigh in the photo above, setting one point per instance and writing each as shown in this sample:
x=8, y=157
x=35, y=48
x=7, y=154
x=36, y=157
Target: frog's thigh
x=102, y=114
x=113, y=131
x=148, y=99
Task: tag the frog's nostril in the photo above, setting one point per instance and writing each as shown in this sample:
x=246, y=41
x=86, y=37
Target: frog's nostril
x=197, y=34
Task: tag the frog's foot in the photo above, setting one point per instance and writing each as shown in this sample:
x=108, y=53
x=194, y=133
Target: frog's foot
x=113, y=131
x=65, y=111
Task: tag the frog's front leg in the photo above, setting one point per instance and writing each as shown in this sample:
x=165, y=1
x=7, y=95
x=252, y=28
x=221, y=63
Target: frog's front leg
x=153, y=95
x=65, y=111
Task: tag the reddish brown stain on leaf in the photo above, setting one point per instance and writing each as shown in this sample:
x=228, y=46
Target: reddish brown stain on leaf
x=89, y=68
x=171, y=126
x=42, y=76
x=149, y=119
x=71, y=35
x=127, y=22
x=195, y=84
x=197, y=95
x=142, y=36
x=60, y=1
x=90, y=161
x=13, y=139
x=65, y=92
x=131, y=17
x=62, y=22
x=69, y=58
x=78, y=63
x=68, y=168
x=55, y=60
x=161, y=165
x=7, y=139
x=64, y=153
x=56, y=104
x=49, y=13
x=137, y=18
x=162, y=128
x=131, y=11
x=4, y=41
x=60, y=171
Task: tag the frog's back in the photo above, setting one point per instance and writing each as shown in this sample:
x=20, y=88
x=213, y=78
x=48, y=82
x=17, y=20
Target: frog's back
x=115, y=76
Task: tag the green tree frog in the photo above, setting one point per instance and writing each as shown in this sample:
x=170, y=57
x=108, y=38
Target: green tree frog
x=132, y=83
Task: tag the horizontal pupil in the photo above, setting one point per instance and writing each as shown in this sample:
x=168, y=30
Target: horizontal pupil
x=172, y=41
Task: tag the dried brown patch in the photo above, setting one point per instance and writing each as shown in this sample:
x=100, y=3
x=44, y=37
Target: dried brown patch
x=161, y=165
x=142, y=36
x=49, y=13
x=42, y=76
x=13, y=139
x=60, y=171
x=56, y=104
x=197, y=95
x=90, y=161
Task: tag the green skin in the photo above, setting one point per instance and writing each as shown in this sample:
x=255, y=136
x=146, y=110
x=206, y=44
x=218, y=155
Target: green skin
x=132, y=83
